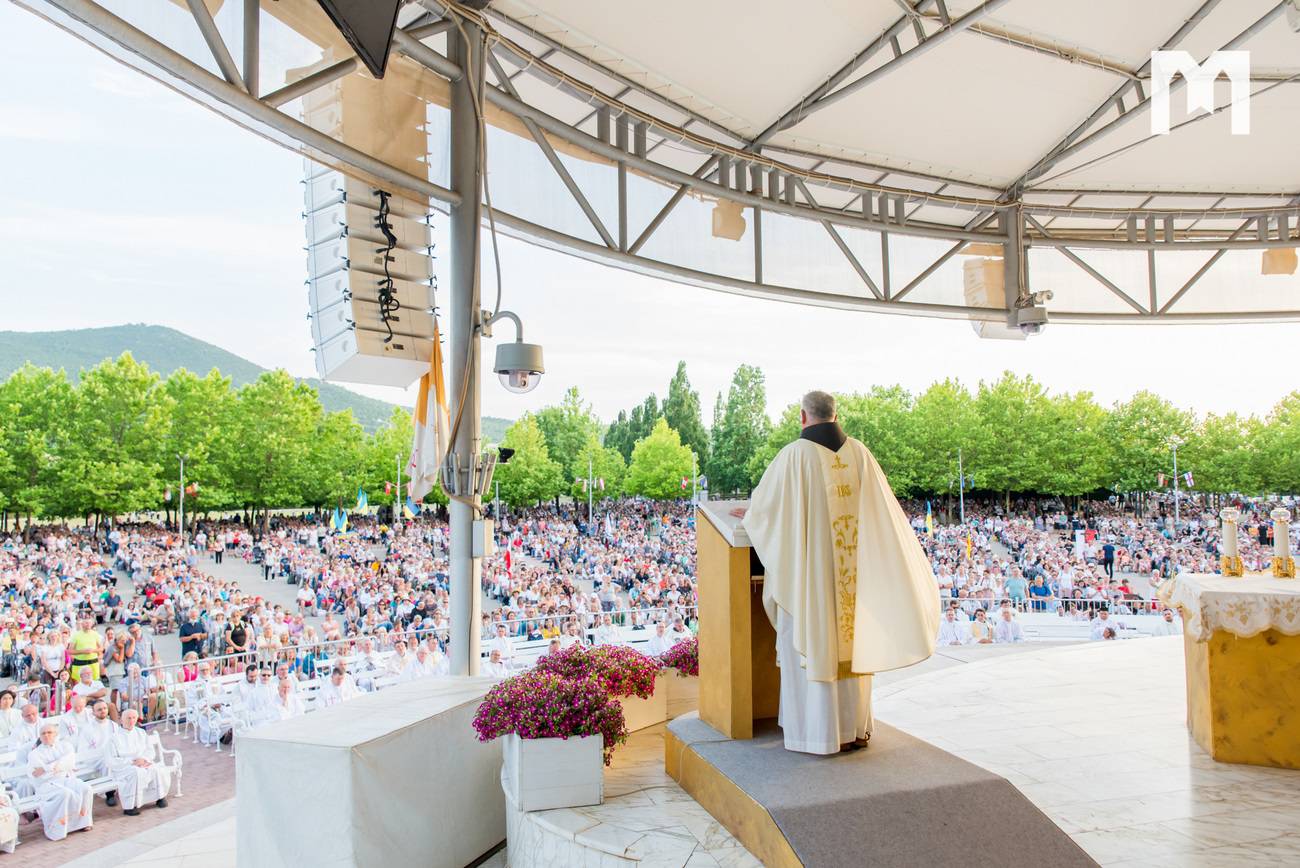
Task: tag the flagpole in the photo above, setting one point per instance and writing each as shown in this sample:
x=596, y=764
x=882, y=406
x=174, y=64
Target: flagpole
x=1174, y=445
x=961, y=487
x=180, y=516
x=397, y=495
x=591, y=483
x=694, y=476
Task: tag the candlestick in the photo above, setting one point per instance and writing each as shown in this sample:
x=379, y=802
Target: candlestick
x=1230, y=562
x=1283, y=563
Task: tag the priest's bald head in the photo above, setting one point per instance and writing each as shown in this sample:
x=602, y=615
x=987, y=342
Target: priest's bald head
x=815, y=408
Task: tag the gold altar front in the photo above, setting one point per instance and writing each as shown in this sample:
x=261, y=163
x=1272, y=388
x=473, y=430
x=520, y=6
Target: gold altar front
x=1243, y=682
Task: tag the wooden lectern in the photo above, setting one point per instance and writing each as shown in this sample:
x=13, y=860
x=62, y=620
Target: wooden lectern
x=739, y=678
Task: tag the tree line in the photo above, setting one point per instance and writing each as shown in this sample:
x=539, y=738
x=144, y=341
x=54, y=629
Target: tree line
x=110, y=444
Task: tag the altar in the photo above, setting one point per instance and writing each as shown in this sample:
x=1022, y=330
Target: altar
x=1241, y=640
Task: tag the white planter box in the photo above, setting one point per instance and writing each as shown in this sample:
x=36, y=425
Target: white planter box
x=545, y=773
x=639, y=713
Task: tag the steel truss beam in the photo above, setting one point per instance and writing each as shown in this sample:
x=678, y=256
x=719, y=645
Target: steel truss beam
x=795, y=199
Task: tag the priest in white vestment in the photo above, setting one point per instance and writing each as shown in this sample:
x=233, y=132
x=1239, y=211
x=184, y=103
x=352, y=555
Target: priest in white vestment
x=8, y=824
x=337, y=689
x=93, y=738
x=131, y=760
x=22, y=738
x=64, y=800
x=420, y=667
x=847, y=584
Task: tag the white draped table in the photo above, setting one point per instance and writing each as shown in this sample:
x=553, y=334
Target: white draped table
x=1243, y=606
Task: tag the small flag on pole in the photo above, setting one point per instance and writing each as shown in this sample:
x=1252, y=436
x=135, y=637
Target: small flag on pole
x=601, y=483
x=1187, y=477
x=362, y=501
x=1160, y=480
x=167, y=495
x=388, y=488
x=929, y=519
x=685, y=482
x=411, y=509
x=968, y=545
x=339, y=521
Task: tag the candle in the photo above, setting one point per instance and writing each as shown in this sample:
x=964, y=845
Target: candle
x=1281, y=532
x=1230, y=515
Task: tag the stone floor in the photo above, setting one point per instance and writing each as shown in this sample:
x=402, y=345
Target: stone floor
x=1096, y=736
x=646, y=819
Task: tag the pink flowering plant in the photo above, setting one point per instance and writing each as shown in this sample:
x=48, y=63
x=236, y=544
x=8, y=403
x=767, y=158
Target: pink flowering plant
x=541, y=704
x=684, y=657
x=622, y=671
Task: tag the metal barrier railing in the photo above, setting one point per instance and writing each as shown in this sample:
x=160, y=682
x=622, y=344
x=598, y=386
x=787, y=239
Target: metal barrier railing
x=1056, y=606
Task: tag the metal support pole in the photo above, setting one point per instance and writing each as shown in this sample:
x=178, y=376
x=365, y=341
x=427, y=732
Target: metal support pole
x=398, y=503
x=1174, y=446
x=467, y=180
x=591, y=484
x=252, y=45
x=695, y=475
x=961, y=487
x=180, y=515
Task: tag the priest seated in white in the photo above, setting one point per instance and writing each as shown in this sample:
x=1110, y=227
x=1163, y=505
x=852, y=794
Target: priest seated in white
x=339, y=688
x=495, y=667
x=93, y=742
x=420, y=667
x=847, y=585
x=660, y=643
x=139, y=778
x=64, y=801
x=286, y=703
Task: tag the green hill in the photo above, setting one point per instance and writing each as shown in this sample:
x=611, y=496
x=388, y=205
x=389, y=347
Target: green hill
x=164, y=350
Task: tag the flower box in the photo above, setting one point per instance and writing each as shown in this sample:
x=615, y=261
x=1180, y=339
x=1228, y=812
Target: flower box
x=545, y=773
x=640, y=713
x=682, y=693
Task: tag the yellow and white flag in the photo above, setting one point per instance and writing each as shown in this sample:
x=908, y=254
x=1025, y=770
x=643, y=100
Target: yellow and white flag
x=432, y=426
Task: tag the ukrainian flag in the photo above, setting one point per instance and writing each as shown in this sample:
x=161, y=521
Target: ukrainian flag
x=339, y=521
x=362, y=501
x=929, y=519
x=411, y=509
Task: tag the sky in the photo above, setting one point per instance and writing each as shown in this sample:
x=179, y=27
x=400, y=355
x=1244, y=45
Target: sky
x=122, y=201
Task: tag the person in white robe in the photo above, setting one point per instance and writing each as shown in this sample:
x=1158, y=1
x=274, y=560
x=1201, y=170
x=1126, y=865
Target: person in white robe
x=495, y=667
x=10, y=715
x=572, y=635
x=337, y=689
x=396, y=664
x=503, y=643
x=286, y=704
x=1168, y=625
x=8, y=824
x=24, y=735
x=953, y=631
x=72, y=720
x=93, y=739
x=441, y=662
x=368, y=666
x=660, y=643
x=420, y=667
x=65, y=801
x=1008, y=629
x=607, y=633
x=838, y=552
x=131, y=759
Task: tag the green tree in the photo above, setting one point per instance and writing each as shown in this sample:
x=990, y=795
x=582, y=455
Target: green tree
x=532, y=475
x=335, y=462
x=682, y=410
x=566, y=428
x=1010, y=448
x=384, y=452
x=1221, y=454
x=110, y=462
x=619, y=435
x=742, y=430
x=201, y=422
x=943, y=421
x=1137, y=434
x=1072, y=451
x=659, y=462
x=1279, y=447
x=36, y=405
x=881, y=419
x=785, y=431
x=275, y=421
x=605, y=462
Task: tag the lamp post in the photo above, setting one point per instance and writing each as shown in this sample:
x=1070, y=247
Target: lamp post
x=1174, y=443
x=180, y=512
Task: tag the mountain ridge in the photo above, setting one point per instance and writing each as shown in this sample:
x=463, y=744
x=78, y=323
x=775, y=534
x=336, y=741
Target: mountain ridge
x=165, y=349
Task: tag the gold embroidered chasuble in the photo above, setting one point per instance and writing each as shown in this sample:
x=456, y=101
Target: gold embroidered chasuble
x=842, y=561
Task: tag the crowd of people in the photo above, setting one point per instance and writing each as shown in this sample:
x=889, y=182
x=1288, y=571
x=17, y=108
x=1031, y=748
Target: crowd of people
x=83, y=615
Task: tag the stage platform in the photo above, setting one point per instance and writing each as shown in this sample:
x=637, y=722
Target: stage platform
x=1093, y=735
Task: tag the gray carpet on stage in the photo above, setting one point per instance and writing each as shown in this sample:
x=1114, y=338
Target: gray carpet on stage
x=900, y=802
